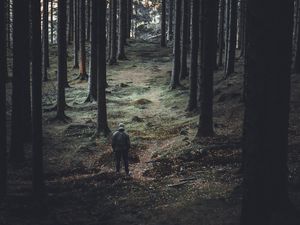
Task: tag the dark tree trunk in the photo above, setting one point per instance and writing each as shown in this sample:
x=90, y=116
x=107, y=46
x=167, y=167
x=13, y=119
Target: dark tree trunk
x=82, y=65
x=242, y=26
x=20, y=81
x=184, y=39
x=122, y=34
x=221, y=32
x=129, y=17
x=52, y=22
x=75, y=35
x=171, y=9
x=296, y=65
x=8, y=18
x=88, y=20
x=209, y=38
x=70, y=21
x=113, y=41
x=232, y=30
x=268, y=61
x=93, y=58
x=192, y=104
x=62, y=59
x=3, y=75
x=37, y=148
x=45, y=40
x=163, y=24
x=102, y=125
x=176, y=50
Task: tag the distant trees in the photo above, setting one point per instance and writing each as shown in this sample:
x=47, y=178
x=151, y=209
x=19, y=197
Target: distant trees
x=268, y=63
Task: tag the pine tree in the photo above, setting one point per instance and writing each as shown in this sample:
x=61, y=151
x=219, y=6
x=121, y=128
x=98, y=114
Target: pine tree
x=163, y=24
x=122, y=32
x=184, y=39
x=82, y=65
x=45, y=40
x=76, y=34
x=113, y=36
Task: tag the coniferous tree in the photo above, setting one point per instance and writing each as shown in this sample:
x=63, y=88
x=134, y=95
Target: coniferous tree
x=37, y=148
x=88, y=21
x=113, y=36
x=163, y=24
x=221, y=32
x=82, y=65
x=184, y=39
x=3, y=75
x=52, y=21
x=192, y=103
x=102, y=125
x=171, y=9
x=122, y=35
x=75, y=35
x=8, y=19
x=45, y=39
x=70, y=21
x=176, y=50
x=129, y=17
x=209, y=38
x=265, y=147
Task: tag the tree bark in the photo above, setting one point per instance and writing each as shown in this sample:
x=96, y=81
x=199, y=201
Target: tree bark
x=88, y=21
x=3, y=76
x=37, y=130
x=176, y=50
x=82, y=65
x=113, y=42
x=52, y=22
x=209, y=38
x=122, y=34
x=70, y=21
x=102, y=125
x=75, y=35
x=268, y=63
x=221, y=33
x=45, y=42
x=163, y=24
x=184, y=39
x=129, y=17
x=242, y=26
x=171, y=9
x=192, y=104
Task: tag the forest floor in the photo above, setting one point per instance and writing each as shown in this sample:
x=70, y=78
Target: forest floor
x=175, y=180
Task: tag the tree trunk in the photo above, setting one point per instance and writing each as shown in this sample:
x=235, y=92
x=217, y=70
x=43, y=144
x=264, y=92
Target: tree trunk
x=62, y=59
x=45, y=37
x=192, y=104
x=176, y=50
x=122, y=34
x=296, y=66
x=3, y=75
x=82, y=65
x=113, y=41
x=93, y=57
x=184, y=39
x=102, y=125
x=209, y=38
x=268, y=61
x=232, y=30
x=221, y=32
x=70, y=21
x=52, y=22
x=88, y=21
x=37, y=149
x=242, y=26
x=8, y=18
x=129, y=17
x=75, y=35
x=163, y=24
x=171, y=9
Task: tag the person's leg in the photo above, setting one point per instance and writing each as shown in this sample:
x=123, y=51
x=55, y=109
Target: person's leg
x=125, y=159
x=118, y=160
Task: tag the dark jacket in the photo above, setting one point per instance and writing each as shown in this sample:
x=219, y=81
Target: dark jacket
x=120, y=141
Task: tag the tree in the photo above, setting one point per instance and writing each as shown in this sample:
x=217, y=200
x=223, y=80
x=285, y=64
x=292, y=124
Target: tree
x=232, y=31
x=102, y=125
x=75, y=35
x=3, y=75
x=163, y=23
x=268, y=61
x=192, y=103
x=176, y=50
x=93, y=57
x=184, y=39
x=51, y=21
x=45, y=40
x=171, y=9
x=88, y=21
x=20, y=82
x=129, y=17
x=37, y=149
x=62, y=60
x=70, y=21
x=122, y=31
x=242, y=28
x=82, y=65
x=221, y=32
x=113, y=36
x=209, y=39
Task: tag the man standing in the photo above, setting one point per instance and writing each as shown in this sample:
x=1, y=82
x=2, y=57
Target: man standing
x=121, y=146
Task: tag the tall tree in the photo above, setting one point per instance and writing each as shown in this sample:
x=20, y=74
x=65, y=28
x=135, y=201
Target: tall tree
x=113, y=36
x=171, y=9
x=176, y=50
x=37, y=149
x=8, y=18
x=209, y=38
x=192, y=103
x=268, y=62
x=82, y=65
x=232, y=31
x=122, y=32
x=3, y=72
x=93, y=57
x=62, y=59
x=70, y=21
x=20, y=110
x=221, y=32
x=75, y=35
x=163, y=24
x=184, y=39
x=52, y=21
x=102, y=125
x=45, y=39
x=88, y=20
x=129, y=17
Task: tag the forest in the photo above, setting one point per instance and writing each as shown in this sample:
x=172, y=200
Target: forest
x=200, y=97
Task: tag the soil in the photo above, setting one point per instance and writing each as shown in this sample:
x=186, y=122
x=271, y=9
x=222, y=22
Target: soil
x=174, y=179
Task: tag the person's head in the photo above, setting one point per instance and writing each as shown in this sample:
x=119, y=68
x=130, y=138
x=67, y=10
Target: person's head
x=121, y=127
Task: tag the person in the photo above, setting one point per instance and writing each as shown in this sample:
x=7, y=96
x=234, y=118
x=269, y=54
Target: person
x=121, y=146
